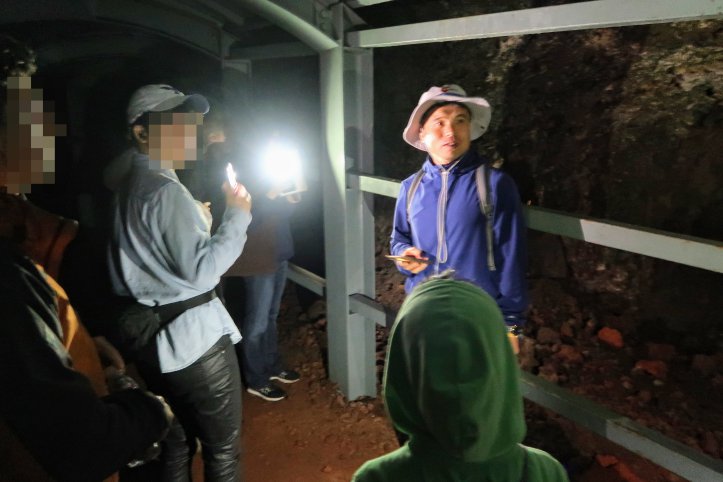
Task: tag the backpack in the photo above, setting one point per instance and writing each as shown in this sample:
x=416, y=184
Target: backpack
x=485, y=203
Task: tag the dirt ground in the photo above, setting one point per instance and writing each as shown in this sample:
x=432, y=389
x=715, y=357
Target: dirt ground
x=314, y=435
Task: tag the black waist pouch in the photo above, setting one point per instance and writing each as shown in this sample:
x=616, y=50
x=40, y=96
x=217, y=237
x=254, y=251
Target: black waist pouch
x=135, y=325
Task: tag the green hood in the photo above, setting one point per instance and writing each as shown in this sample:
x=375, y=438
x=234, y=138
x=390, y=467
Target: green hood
x=451, y=381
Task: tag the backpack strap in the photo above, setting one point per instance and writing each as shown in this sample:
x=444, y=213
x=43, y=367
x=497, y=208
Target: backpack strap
x=410, y=194
x=488, y=209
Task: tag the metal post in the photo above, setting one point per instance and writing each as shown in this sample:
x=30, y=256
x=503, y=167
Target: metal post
x=347, y=222
x=359, y=120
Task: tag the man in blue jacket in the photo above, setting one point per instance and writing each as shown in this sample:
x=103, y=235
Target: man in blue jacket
x=458, y=212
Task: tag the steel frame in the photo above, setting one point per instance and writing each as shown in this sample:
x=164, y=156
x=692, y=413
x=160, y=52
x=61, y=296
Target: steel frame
x=560, y=18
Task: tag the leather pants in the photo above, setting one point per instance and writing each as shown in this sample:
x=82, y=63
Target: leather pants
x=206, y=399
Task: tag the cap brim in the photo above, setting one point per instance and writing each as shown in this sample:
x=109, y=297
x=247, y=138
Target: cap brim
x=478, y=106
x=191, y=103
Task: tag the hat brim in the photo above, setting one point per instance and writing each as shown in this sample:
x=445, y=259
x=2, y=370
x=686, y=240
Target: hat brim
x=192, y=103
x=478, y=106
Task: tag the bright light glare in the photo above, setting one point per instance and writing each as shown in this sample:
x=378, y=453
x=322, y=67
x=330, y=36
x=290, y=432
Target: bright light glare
x=282, y=162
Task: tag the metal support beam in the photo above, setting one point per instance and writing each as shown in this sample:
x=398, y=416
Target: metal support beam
x=307, y=279
x=335, y=235
x=272, y=51
x=688, y=250
x=659, y=449
x=576, y=16
x=358, y=303
x=295, y=25
x=364, y=3
x=679, y=248
x=349, y=246
x=372, y=310
x=383, y=186
x=351, y=364
x=359, y=150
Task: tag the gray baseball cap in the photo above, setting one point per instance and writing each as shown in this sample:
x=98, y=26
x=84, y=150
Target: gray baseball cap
x=160, y=98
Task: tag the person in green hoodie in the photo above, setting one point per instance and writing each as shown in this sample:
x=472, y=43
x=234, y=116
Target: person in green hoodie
x=451, y=383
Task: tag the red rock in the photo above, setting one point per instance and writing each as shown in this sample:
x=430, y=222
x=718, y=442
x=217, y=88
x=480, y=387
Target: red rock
x=549, y=373
x=606, y=460
x=611, y=337
x=327, y=469
x=569, y=354
x=626, y=473
x=567, y=331
x=656, y=368
x=547, y=336
x=526, y=357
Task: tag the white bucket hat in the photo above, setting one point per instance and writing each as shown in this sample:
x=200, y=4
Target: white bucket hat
x=479, y=108
x=160, y=98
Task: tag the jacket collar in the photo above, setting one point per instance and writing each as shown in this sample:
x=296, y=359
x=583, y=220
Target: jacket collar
x=141, y=163
x=469, y=161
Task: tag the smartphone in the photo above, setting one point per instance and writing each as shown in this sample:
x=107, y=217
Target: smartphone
x=406, y=258
x=231, y=174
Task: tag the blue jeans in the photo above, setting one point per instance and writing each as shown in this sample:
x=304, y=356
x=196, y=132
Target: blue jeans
x=259, y=347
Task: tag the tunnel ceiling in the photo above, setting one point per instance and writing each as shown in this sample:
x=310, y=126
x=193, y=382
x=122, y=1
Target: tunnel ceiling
x=69, y=29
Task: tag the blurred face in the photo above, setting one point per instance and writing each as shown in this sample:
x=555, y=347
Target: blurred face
x=172, y=139
x=446, y=133
x=27, y=144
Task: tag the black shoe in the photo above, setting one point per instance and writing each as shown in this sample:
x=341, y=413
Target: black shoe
x=286, y=376
x=270, y=393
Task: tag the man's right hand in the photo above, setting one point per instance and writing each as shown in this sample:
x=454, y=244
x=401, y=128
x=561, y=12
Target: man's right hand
x=237, y=198
x=414, y=266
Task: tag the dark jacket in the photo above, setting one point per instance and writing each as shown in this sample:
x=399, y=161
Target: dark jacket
x=269, y=235
x=52, y=409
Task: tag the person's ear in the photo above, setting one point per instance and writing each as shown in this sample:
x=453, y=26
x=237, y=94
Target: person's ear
x=139, y=134
x=420, y=135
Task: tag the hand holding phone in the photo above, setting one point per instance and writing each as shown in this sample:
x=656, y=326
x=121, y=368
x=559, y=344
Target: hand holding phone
x=409, y=259
x=231, y=175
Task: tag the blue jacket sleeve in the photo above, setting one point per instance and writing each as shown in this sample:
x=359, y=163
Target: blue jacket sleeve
x=401, y=238
x=510, y=234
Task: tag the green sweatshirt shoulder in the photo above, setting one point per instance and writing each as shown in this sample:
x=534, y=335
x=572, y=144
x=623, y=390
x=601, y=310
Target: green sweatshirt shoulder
x=401, y=466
